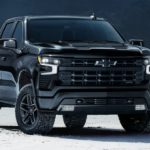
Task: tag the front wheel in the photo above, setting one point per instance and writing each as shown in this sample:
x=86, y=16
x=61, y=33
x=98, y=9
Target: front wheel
x=135, y=123
x=74, y=121
x=29, y=118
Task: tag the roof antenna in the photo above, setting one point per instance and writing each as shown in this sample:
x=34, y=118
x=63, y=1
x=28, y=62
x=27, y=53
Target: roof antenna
x=93, y=16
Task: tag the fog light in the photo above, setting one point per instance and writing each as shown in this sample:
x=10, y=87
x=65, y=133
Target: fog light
x=140, y=107
x=68, y=108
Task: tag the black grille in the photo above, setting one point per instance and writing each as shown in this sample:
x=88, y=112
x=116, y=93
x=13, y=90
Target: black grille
x=107, y=101
x=102, y=72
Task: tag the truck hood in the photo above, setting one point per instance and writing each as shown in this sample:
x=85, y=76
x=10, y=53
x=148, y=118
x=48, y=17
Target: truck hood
x=93, y=49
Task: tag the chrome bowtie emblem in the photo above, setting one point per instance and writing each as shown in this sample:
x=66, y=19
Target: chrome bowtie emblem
x=106, y=63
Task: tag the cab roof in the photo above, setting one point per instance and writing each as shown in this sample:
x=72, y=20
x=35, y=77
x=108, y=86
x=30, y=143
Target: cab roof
x=55, y=17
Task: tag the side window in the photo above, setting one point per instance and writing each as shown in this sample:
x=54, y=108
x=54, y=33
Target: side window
x=18, y=34
x=7, y=30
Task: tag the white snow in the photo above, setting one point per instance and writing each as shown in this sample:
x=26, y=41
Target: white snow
x=100, y=133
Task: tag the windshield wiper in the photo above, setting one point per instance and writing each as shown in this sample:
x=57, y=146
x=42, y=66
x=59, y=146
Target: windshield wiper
x=68, y=42
x=53, y=42
x=94, y=41
x=104, y=41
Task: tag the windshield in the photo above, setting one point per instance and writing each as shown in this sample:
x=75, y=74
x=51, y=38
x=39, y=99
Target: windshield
x=71, y=30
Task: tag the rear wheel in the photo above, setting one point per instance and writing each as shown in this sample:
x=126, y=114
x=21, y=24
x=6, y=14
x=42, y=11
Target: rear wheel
x=29, y=118
x=135, y=123
x=74, y=121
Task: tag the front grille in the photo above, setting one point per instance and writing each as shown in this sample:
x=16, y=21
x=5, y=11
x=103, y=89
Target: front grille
x=102, y=72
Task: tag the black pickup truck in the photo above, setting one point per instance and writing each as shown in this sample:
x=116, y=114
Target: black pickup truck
x=72, y=66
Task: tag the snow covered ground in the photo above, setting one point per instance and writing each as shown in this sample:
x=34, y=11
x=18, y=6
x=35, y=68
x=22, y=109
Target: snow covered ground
x=100, y=133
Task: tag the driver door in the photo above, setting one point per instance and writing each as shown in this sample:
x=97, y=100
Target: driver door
x=8, y=57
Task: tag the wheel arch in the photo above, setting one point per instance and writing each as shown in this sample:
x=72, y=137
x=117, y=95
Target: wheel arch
x=25, y=77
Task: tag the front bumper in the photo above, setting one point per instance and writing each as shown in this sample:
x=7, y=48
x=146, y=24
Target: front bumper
x=101, y=109
x=113, y=98
x=109, y=101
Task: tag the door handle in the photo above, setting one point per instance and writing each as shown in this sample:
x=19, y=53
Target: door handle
x=3, y=58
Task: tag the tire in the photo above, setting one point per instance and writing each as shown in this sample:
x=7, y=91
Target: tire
x=74, y=121
x=29, y=118
x=135, y=123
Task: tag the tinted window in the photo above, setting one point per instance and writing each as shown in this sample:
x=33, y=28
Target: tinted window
x=7, y=31
x=50, y=30
x=18, y=34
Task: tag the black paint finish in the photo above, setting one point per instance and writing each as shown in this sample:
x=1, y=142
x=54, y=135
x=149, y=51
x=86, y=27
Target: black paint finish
x=20, y=66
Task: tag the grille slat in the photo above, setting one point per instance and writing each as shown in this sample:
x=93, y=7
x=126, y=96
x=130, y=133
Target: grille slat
x=121, y=62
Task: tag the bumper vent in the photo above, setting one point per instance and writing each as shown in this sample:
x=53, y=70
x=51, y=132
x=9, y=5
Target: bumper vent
x=109, y=101
x=44, y=82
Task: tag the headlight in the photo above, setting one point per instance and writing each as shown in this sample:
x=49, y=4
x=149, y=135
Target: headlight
x=146, y=61
x=48, y=60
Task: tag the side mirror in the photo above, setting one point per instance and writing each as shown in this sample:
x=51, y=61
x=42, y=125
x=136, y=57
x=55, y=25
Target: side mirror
x=11, y=43
x=137, y=42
